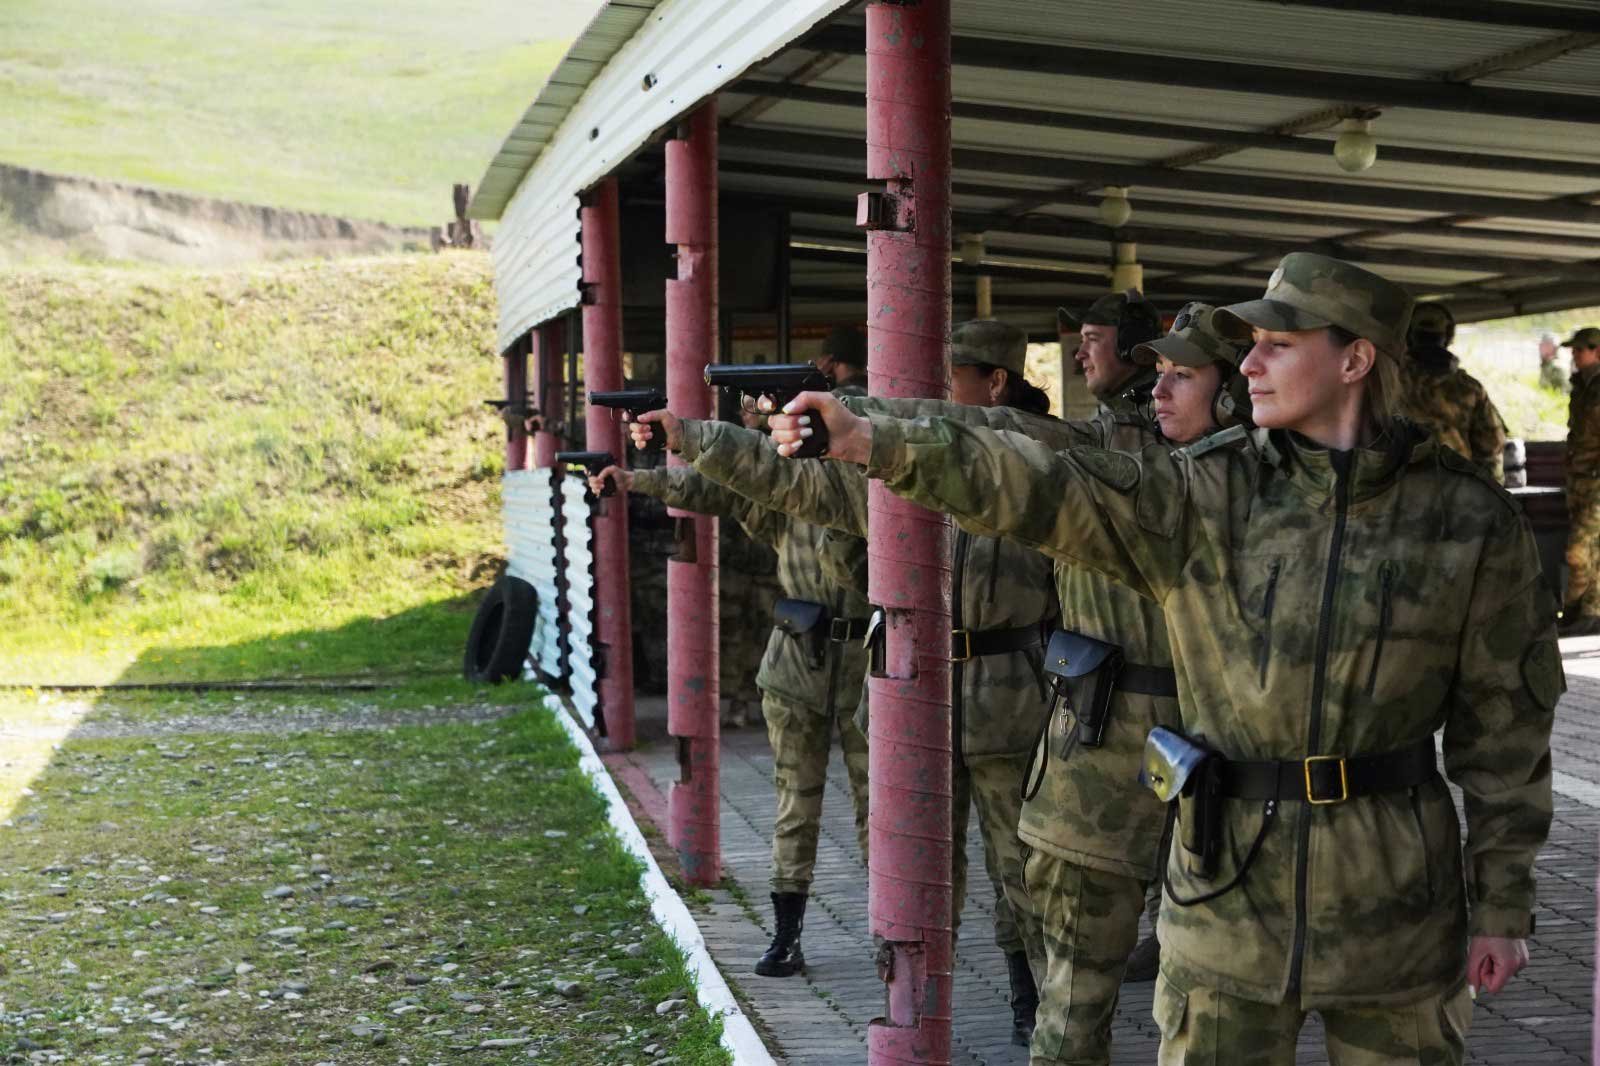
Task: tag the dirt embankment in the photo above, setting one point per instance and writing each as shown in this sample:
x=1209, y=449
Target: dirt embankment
x=50, y=216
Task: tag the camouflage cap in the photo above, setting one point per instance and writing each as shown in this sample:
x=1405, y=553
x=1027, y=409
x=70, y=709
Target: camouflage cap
x=989, y=342
x=846, y=344
x=1588, y=337
x=1192, y=341
x=1311, y=291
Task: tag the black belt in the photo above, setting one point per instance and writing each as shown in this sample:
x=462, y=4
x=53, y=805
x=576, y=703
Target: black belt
x=1147, y=680
x=844, y=630
x=1323, y=779
x=971, y=643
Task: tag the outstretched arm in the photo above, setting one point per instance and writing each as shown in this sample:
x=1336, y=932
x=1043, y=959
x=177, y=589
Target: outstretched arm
x=824, y=494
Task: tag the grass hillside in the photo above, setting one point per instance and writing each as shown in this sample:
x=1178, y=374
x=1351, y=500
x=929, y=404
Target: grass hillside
x=199, y=468
x=360, y=109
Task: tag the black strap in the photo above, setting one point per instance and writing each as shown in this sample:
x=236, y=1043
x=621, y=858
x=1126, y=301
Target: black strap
x=1147, y=680
x=844, y=630
x=972, y=643
x=1330, y=778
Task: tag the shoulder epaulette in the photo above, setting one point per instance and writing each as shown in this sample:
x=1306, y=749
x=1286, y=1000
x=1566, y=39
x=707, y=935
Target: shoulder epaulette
x=1220, y=439
x=1462, y=465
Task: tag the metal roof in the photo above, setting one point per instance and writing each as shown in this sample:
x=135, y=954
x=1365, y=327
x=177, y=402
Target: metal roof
x=1220, y=117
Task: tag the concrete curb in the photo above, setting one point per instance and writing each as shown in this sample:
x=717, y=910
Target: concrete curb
x=671, y=913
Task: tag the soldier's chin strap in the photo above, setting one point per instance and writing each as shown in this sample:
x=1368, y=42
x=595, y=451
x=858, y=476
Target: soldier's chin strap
x=1269, y=814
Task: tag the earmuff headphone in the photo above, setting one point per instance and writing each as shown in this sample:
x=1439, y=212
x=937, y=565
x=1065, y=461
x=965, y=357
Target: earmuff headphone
x=1231, y=404
x=1137, y=323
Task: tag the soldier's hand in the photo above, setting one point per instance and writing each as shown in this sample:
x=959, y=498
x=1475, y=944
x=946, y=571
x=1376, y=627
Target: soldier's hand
x=849, y=435
x=669, y=424
x=619, y=477
x=1494, y=960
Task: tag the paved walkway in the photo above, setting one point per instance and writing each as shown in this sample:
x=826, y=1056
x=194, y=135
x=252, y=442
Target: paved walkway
x=821, y=1017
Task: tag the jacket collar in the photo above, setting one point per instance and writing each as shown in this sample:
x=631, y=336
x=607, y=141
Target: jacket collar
x=1315, y=471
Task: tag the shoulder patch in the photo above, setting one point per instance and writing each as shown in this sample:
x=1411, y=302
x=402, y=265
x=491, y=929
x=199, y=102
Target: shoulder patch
x=1220, y=439
x=1161, y=501
x=1542, y=673
x=1119, y=471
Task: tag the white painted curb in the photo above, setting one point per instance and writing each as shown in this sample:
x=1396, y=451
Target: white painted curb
x=671, y=913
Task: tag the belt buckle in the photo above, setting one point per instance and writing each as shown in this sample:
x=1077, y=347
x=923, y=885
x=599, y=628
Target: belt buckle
x=839, y=630
x=1344, y=781
x=964, y=636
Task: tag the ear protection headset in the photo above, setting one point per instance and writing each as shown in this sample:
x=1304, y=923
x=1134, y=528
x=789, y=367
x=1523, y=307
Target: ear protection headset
x=1137, y=323
x=1231, y=404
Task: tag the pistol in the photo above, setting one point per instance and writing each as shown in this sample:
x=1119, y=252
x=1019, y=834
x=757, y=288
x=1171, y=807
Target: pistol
x=778, y=383
x=635, y=402
x=588, y=464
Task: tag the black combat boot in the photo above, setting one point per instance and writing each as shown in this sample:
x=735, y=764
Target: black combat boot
x=784, y=958
x=1024, y=999
x=1145, y=960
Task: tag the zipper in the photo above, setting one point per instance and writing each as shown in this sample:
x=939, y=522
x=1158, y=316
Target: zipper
x=1385, y=615
x=1319, y=693
x=994, y=569
x=1266, y=618
x=957, y=669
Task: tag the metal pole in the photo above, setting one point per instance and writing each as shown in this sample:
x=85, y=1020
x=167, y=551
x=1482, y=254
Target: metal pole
x=908, y=315
x=516, y=379
x=692, y=622
x=602, y=370
x=547, y=392
x=982, y=285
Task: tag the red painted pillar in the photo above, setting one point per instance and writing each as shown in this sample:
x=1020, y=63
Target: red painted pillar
x=692, y=672
x=516, y=378
x=602, y=371
x=547, y=351
x=908, y=329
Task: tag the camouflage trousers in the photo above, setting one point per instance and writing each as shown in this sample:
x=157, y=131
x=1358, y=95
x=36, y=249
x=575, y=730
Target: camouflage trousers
x=1089, y=923
x=994, y=782
x=800, y=739
x=1206, y=1027
x=1583, y=549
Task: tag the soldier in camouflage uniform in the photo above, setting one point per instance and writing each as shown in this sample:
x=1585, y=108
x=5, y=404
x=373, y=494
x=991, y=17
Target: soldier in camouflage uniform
x=810, y=680
x=1092, y=833
x=1444, y=399
x=1581, y=616
x=1002, y=605
x=1551, y=376
x=1376, y=580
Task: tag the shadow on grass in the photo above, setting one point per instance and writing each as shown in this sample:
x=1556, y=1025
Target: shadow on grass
x=424, y=642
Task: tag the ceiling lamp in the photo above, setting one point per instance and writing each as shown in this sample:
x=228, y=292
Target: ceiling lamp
x=1356, y=149
x=1114, y=207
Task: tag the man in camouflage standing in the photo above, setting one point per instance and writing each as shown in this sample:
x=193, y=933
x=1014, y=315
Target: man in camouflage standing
x=1444, y=399
x=1551, y=376
x=1581, y=615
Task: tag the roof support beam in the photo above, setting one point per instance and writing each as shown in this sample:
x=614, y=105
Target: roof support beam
x=1482, y=12
x=1357, y=194
x=1187, y=72
x=857, y=256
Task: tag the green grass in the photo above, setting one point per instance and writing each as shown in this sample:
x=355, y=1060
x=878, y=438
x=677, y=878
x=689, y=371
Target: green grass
x=442, y=878
x=264, y=472
x=359, y=109
x=1504, y=355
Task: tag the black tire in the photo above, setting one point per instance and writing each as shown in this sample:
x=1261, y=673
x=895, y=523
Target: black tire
x=498, y=641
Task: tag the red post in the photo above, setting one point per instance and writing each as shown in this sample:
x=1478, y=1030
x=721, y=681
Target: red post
x=602, y=370
x=692, y=623
x=908, y=329
x=516, y=378
x=547, y=348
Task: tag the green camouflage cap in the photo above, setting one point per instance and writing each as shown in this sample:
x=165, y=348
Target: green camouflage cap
x=1588, y=337
x=1192, y=341
x=1311, y=291
x=989, y=342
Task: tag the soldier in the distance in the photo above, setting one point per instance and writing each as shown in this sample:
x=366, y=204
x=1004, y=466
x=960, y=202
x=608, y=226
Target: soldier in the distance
x=1444, y=399
x=1551, y=374
x=1580, y=617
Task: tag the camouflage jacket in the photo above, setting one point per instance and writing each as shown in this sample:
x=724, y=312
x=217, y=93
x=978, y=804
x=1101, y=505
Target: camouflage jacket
x=1311, y=612
x=1552, y=377
x=1583, y=432
x=806, y=571
x=1452, y=405
x=998, y=701
x=1082, y=804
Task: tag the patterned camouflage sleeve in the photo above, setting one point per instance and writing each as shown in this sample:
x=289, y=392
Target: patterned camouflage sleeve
x=1486, y=436
x=1497, y=731
x=1042, y=428
x=832, y=495
x=683, y=487
x=1118, y=515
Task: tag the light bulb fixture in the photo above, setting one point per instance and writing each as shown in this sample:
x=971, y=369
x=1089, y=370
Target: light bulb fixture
x=1115, y=210
x=1356, y=148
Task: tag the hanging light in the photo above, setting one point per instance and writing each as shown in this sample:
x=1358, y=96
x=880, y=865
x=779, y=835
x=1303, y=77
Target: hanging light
x=1115, y=210
x=1356, y=148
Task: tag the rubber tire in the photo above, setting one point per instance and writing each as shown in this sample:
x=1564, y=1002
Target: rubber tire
x=501, y=632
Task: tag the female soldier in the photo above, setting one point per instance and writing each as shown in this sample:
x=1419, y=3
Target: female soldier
x=1002, y=606
x=1381, y=589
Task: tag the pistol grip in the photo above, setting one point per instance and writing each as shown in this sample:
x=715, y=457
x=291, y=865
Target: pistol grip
x=658, y=437
x=815, y=445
